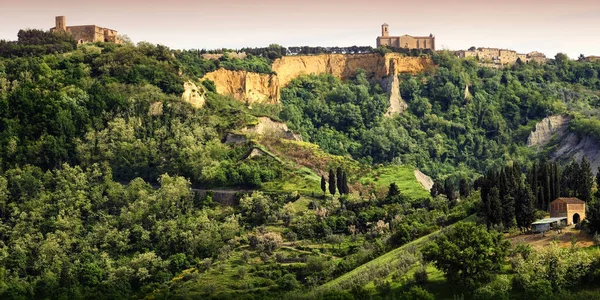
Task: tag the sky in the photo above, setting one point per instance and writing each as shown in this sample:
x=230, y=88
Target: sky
x=550, y=26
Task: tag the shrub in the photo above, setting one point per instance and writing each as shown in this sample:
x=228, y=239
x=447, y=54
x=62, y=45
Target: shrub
x=498, y=289
x=416, y=293
x=420, y=275
x=288, y=282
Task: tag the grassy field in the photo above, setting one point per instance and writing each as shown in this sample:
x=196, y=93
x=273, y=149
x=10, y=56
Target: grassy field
x=388, y=258
x=307, y=162
x=403, y=176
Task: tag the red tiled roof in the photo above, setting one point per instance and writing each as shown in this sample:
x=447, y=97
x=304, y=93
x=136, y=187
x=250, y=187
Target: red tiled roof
x=569, y=200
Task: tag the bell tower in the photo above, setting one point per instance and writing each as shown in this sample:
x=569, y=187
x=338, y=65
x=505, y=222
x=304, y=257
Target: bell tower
x=385, y=29
x=61, y=23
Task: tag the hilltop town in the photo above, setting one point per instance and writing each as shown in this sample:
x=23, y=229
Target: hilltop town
x=495, y=56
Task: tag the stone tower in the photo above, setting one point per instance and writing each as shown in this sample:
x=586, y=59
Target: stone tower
x=61, y=23
x=384, y=29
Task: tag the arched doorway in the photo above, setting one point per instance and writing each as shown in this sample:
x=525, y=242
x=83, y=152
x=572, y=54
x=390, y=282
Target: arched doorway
x=576, y=219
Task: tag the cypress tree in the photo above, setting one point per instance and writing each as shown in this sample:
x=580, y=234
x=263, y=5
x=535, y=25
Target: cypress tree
x=393, y=191
x=556, y=181
x=331, y=182
x=323, y=184
x=525, y=208
x=585, y=181
x=449, y=189
x=340, y=180
x=346, y=187
x=436, y=189
x=547, y=186
x=495, y=207
x=508, y=211
x=464, y=188
x=597, y=195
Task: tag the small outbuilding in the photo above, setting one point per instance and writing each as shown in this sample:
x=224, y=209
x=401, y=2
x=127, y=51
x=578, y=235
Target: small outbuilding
x=571, y=208
x=544, y=225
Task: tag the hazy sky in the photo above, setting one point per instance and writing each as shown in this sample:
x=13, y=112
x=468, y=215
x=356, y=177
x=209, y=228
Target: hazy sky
x=550, y=26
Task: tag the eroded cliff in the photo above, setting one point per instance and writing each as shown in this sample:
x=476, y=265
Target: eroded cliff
x=263, y=88
x=345, y=65
x=554, y=132
x=546, y=129
x=246, y=86
x=193, y=95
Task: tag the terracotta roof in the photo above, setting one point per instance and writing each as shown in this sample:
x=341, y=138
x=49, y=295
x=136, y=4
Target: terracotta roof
x=570, y=200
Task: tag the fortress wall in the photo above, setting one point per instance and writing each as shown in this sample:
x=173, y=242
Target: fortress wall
x=85, y=33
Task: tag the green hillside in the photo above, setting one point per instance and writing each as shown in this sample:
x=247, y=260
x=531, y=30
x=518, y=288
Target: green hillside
x=114, y=186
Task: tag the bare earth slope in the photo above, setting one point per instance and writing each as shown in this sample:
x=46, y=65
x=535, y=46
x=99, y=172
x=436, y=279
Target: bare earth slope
x=568, y=145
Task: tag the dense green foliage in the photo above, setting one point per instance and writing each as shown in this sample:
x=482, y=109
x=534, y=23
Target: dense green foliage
x=37, y=42
x=468, y=254
x=74, y=233
x=99, y=154
x=461, y=116
x=118, y=105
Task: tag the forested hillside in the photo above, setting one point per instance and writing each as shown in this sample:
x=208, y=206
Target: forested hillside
x=461, y=117
x=108, y=177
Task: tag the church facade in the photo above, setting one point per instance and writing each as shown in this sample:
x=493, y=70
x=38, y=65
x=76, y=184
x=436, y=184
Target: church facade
x=405, y=41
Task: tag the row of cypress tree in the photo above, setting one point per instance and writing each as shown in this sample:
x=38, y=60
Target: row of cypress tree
x=337, y=179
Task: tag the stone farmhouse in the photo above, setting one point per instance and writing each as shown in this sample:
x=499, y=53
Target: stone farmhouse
x=571, y=208
x=405, y=41
x=501, y=56
x=86, y=33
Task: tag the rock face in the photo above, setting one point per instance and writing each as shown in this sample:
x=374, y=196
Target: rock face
x=573, y=147
x=267, y=126
x=424, y=180
x=246, y=86
x=548, y=128
x=397, y=104
x=569, y=145
x=193, y=95
x=235, y=138
x=156, y=109
x=345, y=65
x=264, y=88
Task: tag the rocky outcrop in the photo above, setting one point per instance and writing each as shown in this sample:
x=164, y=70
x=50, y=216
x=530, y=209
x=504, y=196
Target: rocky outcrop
x=266, y=126
x=216, y=56
x=345, y=65
x=235, y=138
x=568, y=145
x=156, y=109
x=397, y=104
x=467, y=93
x=246, y=86
x=193, y=95
x=263, y=88
x=546, y=129
x=573, y=147
x=424, y=180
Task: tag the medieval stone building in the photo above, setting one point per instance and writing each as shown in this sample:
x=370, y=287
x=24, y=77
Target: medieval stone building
x=501, y=56
x=405, y=41
x=571, y=208
x=86, y=33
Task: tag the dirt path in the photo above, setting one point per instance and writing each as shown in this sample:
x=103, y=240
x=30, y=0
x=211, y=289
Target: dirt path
x=536, y=240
